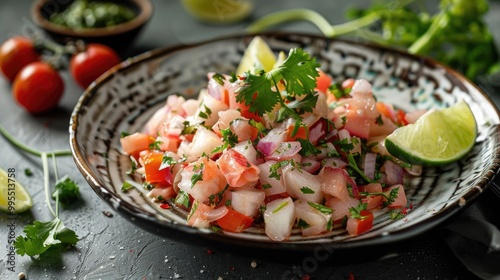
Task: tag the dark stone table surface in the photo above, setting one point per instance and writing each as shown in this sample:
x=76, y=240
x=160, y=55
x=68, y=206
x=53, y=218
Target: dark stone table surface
x=112, y=248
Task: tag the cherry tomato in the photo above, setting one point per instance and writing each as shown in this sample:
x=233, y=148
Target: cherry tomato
x=38, y=87
x=16, y=53
x=87, y=66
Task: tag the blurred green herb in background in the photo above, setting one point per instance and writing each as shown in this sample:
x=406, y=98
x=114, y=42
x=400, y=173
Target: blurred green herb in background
x=456, y=34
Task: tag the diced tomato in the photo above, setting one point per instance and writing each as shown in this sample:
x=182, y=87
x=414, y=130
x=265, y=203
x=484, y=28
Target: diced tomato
x=133, y=144
x=385, y=109
x=356, y=226
x=323, y=82
x=315, y=132
x=244, y=109
x=225, y=97
x=152, y=161
x=300, y=134
x=234, y=221
x=401, y=118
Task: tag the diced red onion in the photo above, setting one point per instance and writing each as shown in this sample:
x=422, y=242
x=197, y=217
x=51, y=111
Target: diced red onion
x=369, y=165
x=271, y=141
x=285, y=151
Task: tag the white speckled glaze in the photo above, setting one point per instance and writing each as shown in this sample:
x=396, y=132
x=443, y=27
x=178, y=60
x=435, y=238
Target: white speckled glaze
x=128, y=95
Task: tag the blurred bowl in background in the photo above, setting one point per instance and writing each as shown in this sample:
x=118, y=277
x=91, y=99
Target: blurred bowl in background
x=118, y=36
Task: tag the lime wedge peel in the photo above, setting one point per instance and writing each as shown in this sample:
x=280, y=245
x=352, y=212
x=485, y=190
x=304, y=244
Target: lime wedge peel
x=436, y=138
x=14, y=198
x=257, y=56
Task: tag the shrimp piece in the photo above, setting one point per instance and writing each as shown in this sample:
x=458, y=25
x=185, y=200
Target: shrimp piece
x=237, y=170
x=202, y=180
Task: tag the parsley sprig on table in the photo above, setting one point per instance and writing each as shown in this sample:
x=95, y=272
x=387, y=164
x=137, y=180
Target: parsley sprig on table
x=297, y=74
x=42, y=236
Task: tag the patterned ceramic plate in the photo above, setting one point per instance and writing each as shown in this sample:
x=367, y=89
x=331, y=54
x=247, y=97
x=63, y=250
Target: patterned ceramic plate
x=128, y=95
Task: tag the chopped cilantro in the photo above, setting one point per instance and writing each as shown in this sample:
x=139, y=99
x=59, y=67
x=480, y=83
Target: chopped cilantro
x=168, y=161
x=155, y=145
x=280, y=206
x=302, y=224
x=127, y=186
x=329, y=224
x=124, y=134
x=354, y=166
x=188, y=128
x=28, y=172
x=147, y=186
x=338, y=91
x=266, y=186
x=306, y=190
x=219, y=78
x=274, y=168
x=195, y=178
x=344, y=145
x=133, y=168
x=321, y=208
x=67, y=190
x=308, y=148
x=205, y=114
x=356, y=211
x=182, y=198
x=396, y=215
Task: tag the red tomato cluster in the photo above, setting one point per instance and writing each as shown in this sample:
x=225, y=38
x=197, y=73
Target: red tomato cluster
x=36, y=84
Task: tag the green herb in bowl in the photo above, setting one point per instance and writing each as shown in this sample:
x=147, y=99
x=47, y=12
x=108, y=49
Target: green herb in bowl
x=93, y=14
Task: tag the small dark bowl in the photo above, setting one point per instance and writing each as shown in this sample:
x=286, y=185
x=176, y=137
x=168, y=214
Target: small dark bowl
x=120, y=37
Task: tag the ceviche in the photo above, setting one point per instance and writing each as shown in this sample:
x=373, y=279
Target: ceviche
x=282, y=148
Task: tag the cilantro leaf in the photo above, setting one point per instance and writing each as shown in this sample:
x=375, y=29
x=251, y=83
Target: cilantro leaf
x=68, y=191
x=356, y=211
x=258, y=94
x=40, y=236
x=219, y=78
x=308, y=148
x=297, y=73
x=302, y=224
x=306, y=190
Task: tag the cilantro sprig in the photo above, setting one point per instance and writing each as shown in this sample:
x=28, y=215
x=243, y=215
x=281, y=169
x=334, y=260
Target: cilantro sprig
x=42, y=236
x=298, y=76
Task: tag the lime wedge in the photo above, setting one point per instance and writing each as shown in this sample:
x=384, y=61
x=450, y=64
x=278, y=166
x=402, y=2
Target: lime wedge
x=218, y=11
x=14, y=198
x=436, y=138
x=258, y=56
